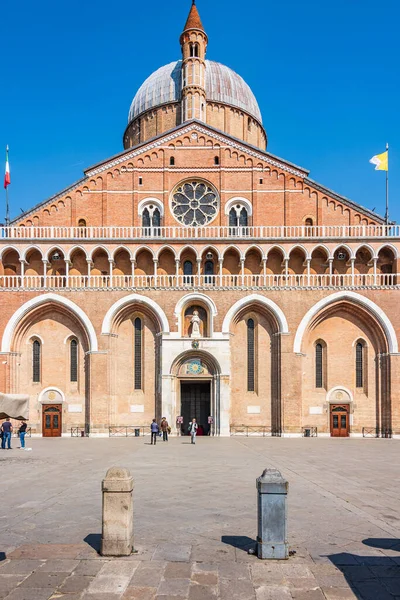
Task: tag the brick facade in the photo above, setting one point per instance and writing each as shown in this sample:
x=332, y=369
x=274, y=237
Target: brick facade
x=307, y=267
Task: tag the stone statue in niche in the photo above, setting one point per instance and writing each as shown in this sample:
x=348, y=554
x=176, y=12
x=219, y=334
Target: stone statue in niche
x=195, y=322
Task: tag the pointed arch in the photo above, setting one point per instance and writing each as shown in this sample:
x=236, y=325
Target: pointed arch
x=48, y=299
x=351, y=297
x=256, y=299
x=106, y=328
x=120, y=249
x=74, y=249
x=8, y=249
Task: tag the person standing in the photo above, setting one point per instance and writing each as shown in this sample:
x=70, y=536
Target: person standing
x=164, y=428
x=154, y=431
x=22, y=433
x=7, y=431
x=193, y=430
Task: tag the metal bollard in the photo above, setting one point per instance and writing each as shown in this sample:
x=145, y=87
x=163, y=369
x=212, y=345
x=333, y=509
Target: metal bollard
x=272, y=515
x=117, y=528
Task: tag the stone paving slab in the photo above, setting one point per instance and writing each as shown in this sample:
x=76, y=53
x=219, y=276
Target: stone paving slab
x=131, y=579
x=194, y=527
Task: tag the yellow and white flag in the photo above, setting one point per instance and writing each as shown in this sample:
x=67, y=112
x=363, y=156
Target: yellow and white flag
x=381, y=161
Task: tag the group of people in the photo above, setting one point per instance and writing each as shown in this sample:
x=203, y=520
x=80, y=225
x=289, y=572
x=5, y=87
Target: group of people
x=156, y=430
x=6, y=430
x=165, y=429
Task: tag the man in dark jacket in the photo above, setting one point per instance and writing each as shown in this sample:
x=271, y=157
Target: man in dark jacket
x=164, y=428
x=6, y=428
x=154, y=431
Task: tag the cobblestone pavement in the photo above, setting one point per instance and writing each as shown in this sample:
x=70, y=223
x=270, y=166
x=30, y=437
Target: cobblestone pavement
x=195, y=519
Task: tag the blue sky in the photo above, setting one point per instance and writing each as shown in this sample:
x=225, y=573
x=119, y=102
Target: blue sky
x=325, y=74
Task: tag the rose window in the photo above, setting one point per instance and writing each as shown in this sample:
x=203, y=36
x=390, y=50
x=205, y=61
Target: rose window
x=194, y=203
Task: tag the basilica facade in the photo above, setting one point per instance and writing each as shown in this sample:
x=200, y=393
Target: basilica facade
x=197, y=275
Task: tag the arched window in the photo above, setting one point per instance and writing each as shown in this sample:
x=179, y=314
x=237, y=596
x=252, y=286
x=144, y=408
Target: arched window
x=250, y=356
x=146, y=218
x=73, y=352
x=209, y=271
x=82, y=223
x=194, y=50
x=308, y=223
x=359, y=365
x=151, y=220
x=172, y=161
x=36, y=361
x=188, y=272
x=243, y=218
x=238, y=217
x=319, y=366
x=138, y=354
x=233, y=218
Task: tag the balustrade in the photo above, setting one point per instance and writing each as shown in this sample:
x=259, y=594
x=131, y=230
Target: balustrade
x=221, y=281
x=267, y=232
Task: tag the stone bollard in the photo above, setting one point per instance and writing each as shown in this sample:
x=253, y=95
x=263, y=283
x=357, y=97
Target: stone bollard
x=272, y=515
x=117, y=528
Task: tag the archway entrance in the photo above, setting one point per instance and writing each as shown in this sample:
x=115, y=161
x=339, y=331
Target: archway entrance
x=196, y=403
x=196, y=385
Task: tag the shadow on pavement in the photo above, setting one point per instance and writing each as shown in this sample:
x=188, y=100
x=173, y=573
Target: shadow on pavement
x=370, y=577
x=93, y=540
x=239, y=541
x=384, y=543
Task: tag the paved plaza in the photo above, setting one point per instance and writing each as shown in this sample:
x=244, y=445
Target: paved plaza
x=195, y=519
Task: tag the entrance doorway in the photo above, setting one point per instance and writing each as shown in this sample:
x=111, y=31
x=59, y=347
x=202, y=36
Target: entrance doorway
x=51, y=422
x=196, y=403
x=340, y=426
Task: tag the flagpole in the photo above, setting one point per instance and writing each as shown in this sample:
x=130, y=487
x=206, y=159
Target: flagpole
x=387, y=188
x=7, y=209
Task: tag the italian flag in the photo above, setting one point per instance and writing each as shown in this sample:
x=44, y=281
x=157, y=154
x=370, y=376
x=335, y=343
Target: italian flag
x=7, y=179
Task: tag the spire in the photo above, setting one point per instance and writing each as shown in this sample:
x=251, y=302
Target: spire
x=193, y=20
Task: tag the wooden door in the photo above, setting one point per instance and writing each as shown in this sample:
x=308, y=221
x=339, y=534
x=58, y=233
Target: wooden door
x=340, y=426
x=51, y=423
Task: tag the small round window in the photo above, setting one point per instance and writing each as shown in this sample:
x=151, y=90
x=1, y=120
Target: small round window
x=194, y=203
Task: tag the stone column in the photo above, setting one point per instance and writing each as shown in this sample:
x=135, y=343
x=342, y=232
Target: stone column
x=155, y=261
x=111, y=262
x=220, y=265
x=352, y=261
x=22, y=261
x=133, y=265
x=242, y=270
x=272, y=491
x=198, y=271
x=67, y=266
x=45, y=263
x=264, y=268
x=117, y=527
x=375, y=264
x=177, y=265
x=89, y=266
x=308, y=264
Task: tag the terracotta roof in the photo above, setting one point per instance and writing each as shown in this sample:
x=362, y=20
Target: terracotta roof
x=193, y=20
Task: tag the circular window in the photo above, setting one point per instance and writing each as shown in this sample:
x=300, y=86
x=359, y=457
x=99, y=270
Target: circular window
x=194, y=203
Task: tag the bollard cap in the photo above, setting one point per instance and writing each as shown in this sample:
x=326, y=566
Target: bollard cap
x=272, y=482
x=117, y=479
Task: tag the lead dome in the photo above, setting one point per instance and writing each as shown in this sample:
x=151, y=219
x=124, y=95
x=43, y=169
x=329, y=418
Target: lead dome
x=194, y=88
x=223, y=86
